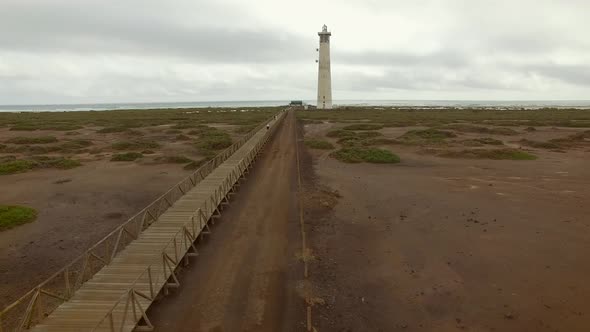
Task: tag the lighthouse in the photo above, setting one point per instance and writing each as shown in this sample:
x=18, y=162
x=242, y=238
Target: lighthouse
x=324, y=76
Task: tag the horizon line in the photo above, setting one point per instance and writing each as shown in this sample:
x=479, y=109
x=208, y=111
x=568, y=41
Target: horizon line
x=287, y=100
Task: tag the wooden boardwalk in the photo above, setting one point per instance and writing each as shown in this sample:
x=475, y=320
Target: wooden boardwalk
x=118, y=295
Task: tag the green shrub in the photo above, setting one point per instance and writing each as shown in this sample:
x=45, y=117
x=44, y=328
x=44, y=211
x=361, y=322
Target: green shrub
x=368, y=134
x=378, y=141
x=32, y=140
x=370, y=155
x=214, y=142
x=175, y=159
x=363, y=126
x=244, y=129
x=497, y=154
x=128, y=156
x=76, y=144
x=12, y=216
x=201, y=129
x=573, y=139
x=482, y=141
x=318, y=144
x=61, y=163
x=341, y=133
x=44, y=126
x=40, y=149
x=539, y=145
x=109, y=130
x=350, y=141
x=426, y=136
x=16, y=166
x=55, y=162
x=22, y=165
x=185, y=125
x=469, y=128
x=135, y=145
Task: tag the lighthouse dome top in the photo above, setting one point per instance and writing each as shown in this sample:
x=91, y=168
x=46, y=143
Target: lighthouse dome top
x=325, y=31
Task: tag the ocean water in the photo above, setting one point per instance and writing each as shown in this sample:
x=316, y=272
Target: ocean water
x=509, y=104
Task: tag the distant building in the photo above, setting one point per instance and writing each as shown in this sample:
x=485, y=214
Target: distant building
x=324, y=75
x=296, y=103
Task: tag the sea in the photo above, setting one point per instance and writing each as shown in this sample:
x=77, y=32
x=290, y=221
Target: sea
x=504, y=104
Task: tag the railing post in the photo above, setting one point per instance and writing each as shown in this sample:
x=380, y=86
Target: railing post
x=150, y=281
x=111, y=322
x=67, y=281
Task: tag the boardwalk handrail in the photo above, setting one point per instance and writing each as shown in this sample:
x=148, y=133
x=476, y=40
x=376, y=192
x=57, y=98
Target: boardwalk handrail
x=61, y=285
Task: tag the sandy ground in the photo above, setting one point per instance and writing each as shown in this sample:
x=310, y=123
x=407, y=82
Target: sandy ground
x=73, y=215
x=246, y=275
x=435, y=244
x=430, y=244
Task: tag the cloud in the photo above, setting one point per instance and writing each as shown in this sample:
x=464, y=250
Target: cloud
x=148, y=50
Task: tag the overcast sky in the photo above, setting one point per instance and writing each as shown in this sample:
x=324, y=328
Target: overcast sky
x=87, y=51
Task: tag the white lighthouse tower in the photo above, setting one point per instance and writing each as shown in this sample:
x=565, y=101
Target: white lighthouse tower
x=324, y=76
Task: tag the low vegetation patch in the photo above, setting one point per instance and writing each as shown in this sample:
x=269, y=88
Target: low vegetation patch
x=182, y=137
x=573, y=139
x=366, y=138
x=496, y=154
x=135, y=145
x=214, y=142
x=109, y=130
x=128, y=156
x=368, y=134
x=14, y=165
x=244, y=129
x=339, y=133
x=211, y=140
x=318, y=144
x=403, y=116
x=185, y=125
x=32, y=140
x=378, y=141
x=55, y=162
x=175, y=159
x=76, y=144
x=426, y=136
x=482, y=141
x=203, y=130
x=306, y=121
x=360, y=154
x=539, y=145
x=44, y=126
x=363, y=126
x=12, y=216
x=469, y=128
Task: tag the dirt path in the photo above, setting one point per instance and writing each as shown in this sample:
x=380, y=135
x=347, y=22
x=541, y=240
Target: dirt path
x=244, y=278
